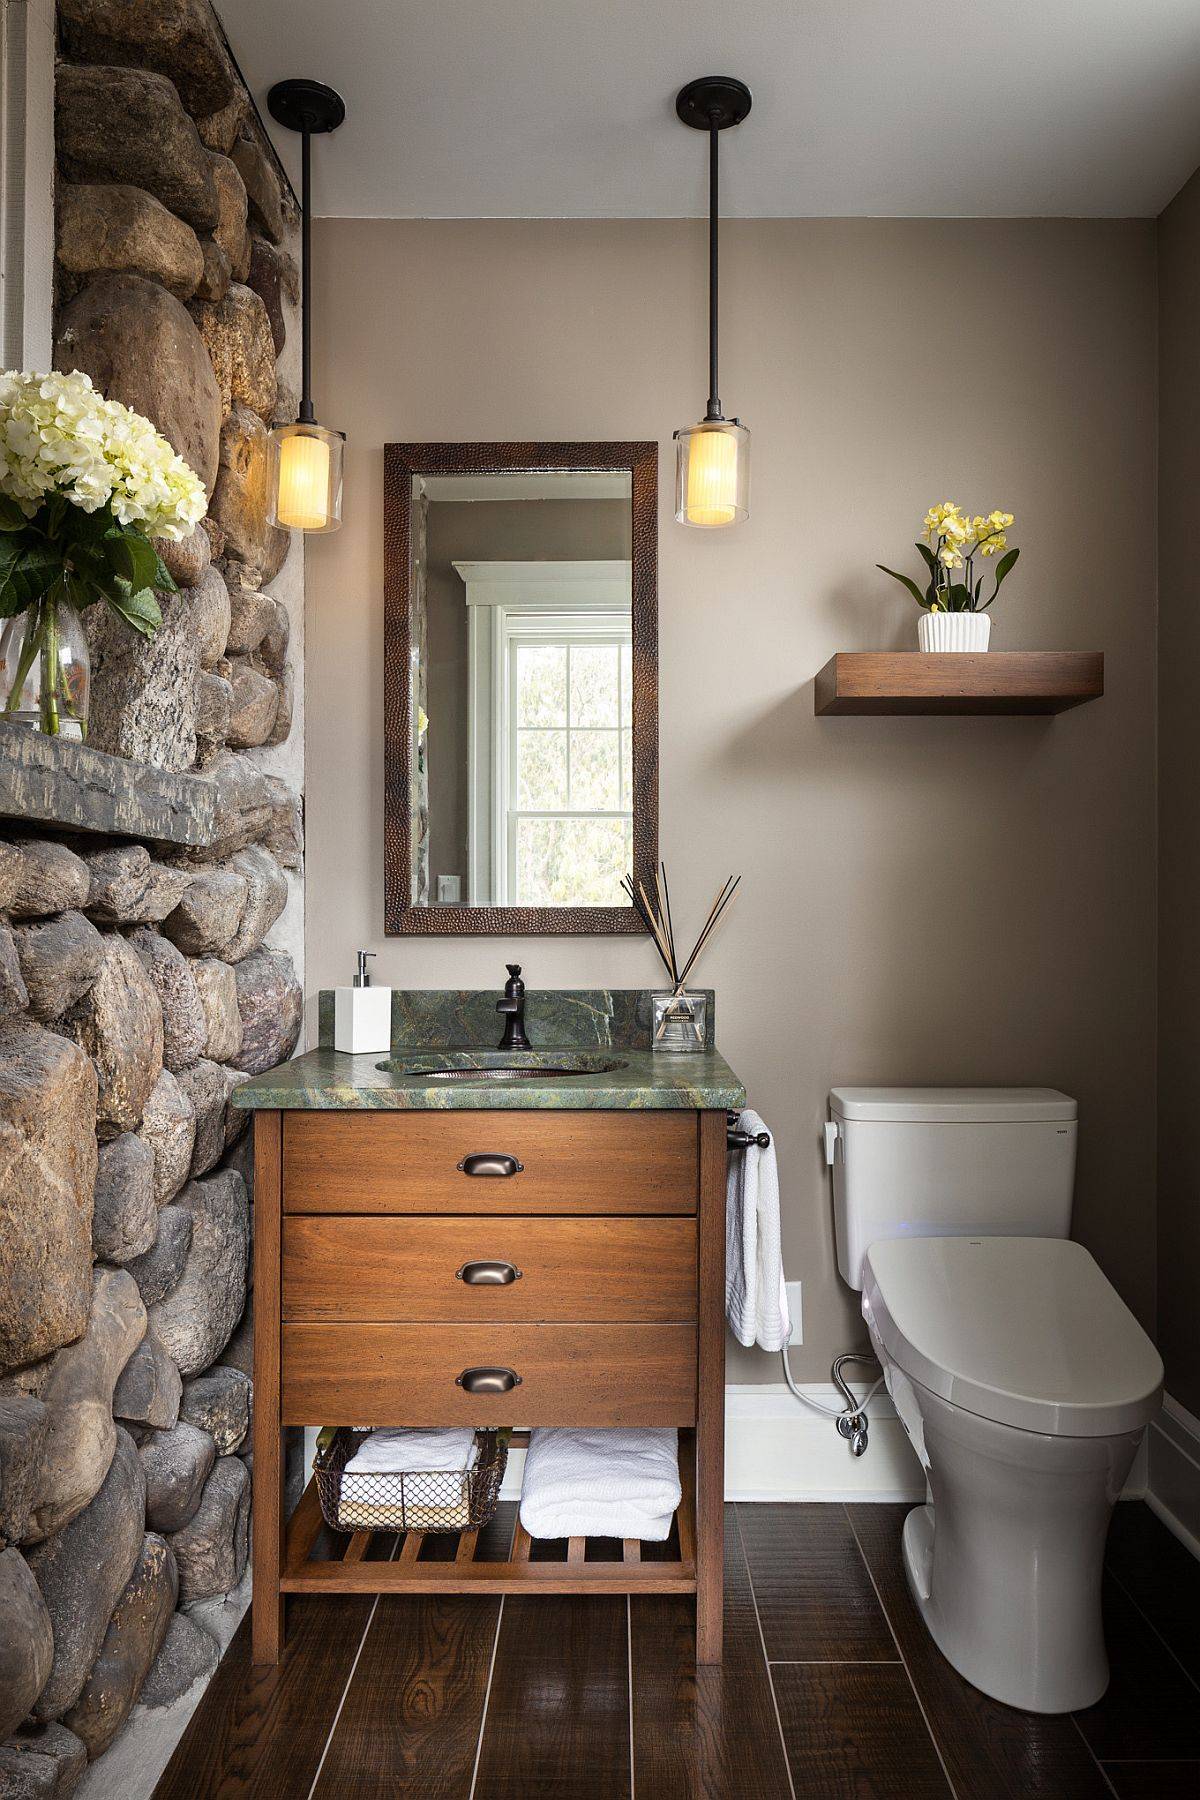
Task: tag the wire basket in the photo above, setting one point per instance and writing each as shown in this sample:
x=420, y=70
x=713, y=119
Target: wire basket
x=431, y=1500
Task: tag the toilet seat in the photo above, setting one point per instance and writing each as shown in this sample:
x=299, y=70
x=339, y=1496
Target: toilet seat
x=1027, y=1332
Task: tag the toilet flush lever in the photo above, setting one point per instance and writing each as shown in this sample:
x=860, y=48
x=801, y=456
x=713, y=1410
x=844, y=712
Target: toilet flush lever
x=831, y=1137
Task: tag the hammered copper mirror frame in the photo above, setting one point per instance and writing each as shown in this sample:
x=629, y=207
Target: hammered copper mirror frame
x=403, y=461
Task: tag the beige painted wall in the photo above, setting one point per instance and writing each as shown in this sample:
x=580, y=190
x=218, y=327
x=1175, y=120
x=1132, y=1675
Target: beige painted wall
x=1179, y=812
x=924, y=900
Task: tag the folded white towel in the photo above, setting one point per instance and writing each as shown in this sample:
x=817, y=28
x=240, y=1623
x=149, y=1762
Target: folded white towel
x=602, y=1483
x=755, y=1296
x=363, y=1506
x=400, y=1452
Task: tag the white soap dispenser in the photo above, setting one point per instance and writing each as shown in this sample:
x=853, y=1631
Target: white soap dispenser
x=362, y=1015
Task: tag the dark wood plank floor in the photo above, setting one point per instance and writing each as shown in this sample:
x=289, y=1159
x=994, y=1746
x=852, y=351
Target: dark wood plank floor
x=830, y=1690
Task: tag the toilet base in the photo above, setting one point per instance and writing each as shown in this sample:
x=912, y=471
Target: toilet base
x=1005, y=1560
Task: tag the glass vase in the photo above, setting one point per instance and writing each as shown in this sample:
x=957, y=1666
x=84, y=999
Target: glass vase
x=678, y=1021
x=45, y=669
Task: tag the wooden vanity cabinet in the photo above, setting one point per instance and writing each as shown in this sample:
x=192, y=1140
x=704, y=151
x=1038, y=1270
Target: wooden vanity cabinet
x=609, y=1228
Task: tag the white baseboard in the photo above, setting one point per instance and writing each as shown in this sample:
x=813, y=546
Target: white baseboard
x=1173, y=1487
x=777, y=1449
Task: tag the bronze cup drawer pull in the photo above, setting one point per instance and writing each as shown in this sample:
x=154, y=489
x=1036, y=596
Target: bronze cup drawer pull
x=487, y=1381
x=489, y=1162
x=487, y=1274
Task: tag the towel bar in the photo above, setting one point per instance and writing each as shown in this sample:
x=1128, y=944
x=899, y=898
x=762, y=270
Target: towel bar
x=742, y=1140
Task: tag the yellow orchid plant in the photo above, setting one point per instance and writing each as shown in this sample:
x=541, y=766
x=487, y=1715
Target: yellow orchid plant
x=950, y=543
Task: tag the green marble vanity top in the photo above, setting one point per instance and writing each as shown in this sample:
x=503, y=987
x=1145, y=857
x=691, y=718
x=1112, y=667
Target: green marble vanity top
x=602, y=1034
x=643, y=1080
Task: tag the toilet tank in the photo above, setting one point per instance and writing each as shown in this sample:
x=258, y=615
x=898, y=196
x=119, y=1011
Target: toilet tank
x=948, y=1162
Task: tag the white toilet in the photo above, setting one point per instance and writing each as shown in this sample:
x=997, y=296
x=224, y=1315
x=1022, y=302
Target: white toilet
x=1022, y=1379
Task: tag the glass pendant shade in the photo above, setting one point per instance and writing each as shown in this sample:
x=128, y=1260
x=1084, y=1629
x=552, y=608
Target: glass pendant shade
x=712, y=473
x=306, y=477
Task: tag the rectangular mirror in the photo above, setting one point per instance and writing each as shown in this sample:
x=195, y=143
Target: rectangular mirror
x=520, y=685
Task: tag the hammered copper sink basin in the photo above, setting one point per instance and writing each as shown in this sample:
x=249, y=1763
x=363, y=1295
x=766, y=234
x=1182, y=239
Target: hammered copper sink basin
x=472, y=1066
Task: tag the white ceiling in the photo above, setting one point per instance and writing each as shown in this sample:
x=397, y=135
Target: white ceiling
x=894, y=108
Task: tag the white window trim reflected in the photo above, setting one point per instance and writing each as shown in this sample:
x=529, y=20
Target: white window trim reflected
x=509, y=602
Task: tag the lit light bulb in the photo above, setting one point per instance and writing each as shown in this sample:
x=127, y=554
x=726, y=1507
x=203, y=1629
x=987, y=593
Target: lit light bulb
x=712, y=480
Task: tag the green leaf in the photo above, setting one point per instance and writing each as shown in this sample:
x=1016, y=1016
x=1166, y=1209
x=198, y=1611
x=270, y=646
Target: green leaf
x=11, y=516
x=930, y=558
x=912, y=587
x=131, y=557
x=1003, y=567
x=25, y=577
x=90, y=526
x=138, y=609
x=163, y=578
x=958, y=597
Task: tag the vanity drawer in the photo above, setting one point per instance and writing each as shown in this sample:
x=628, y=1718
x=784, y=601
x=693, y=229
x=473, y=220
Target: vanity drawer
x=409, y=1374
x=569, y=1162
x=376, y=1269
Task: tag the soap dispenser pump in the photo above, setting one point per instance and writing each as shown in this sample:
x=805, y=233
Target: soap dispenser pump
x=362, y=1014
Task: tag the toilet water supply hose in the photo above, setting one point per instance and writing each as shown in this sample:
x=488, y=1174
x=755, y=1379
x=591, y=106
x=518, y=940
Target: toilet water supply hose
x=851, y=1416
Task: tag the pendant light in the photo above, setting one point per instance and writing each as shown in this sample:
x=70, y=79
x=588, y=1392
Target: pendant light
x=306, y=458
x=712, y=459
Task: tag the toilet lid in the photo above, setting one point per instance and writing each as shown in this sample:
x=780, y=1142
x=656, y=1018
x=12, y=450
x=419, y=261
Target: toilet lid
x=1025, y=1331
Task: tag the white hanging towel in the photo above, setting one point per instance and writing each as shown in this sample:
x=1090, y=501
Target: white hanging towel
x=755, y=1296
x=609, y=1482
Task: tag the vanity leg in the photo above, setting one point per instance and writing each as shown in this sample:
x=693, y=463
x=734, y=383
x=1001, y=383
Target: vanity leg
x=267, y=1603
x=710, y=1408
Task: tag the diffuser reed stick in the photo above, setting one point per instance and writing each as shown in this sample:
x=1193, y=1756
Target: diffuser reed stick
x=657, y=917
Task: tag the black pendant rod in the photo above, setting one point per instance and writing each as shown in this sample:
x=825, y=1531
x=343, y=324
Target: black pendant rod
x=714, y=397
x=306, y=416
x=713, y=104
x=306, y=106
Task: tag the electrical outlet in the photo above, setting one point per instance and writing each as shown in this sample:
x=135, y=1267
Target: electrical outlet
x=449, y=890
x=795, y=1300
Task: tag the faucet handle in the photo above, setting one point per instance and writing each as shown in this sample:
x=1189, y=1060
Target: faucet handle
x=514, y=970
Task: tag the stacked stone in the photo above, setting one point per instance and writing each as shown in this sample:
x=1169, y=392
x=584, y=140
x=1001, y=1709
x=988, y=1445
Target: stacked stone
x=175, y=285
x=137, y=985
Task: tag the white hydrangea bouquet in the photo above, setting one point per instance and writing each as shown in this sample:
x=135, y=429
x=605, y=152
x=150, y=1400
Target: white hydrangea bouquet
x=85, y=484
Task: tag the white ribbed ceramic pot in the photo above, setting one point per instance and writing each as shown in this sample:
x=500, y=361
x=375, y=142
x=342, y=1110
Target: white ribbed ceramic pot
x=954, y=631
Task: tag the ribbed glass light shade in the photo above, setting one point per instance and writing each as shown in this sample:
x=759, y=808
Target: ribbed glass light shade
x=306, y=477
x=712, y=473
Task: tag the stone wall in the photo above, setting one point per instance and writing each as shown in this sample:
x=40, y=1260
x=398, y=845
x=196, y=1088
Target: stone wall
x=141, y=982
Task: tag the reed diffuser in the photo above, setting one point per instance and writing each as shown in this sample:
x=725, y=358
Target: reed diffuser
x=679, y=1018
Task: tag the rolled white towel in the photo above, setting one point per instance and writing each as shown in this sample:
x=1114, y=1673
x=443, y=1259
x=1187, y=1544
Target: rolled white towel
x=601, y=1483
x=401, y=1452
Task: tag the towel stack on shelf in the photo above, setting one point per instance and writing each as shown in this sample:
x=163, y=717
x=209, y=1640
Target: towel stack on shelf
x=404, y=1452
x=604, y=1483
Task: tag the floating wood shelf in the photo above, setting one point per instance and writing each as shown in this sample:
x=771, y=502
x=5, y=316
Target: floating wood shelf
x=991, y=681
x=317, y=1560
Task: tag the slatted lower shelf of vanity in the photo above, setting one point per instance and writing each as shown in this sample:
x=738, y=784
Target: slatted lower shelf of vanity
x=529, y=1568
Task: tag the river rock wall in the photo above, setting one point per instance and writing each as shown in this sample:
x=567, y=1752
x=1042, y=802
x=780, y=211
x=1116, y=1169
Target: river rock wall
x=141, y=982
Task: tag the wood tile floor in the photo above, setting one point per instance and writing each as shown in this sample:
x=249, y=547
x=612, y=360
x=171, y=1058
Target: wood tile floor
x=830, y=1689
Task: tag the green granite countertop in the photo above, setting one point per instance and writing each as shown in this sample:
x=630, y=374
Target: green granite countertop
x=616, y=1078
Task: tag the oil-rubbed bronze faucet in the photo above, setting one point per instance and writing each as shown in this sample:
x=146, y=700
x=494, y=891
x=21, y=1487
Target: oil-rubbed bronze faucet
x=513, y=1007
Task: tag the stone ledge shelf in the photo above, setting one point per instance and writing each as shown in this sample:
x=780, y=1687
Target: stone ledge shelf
x=52, y=781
